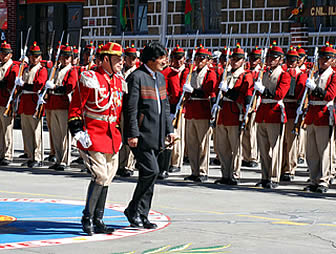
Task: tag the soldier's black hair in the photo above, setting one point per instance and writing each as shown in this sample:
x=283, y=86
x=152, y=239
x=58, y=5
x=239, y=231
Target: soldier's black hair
x=152, y=51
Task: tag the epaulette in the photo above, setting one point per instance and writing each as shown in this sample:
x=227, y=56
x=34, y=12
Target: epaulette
x=89, y=79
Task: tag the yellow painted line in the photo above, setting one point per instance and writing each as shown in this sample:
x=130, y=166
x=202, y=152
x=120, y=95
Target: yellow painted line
x=327, y=225
x=277, y=221
x=290, y=223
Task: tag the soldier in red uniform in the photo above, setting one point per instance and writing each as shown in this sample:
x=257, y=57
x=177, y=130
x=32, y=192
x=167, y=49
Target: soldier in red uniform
x=94, y=116
x=271, y=117
x=57, y=107
x=8, y=73
x=202, y=94
x=292, y=99
x=32, y=82
x=126, y=157
x=250, y=150
x=237, y=90
x=175, y=81
x=320, y=122
x=302, y=139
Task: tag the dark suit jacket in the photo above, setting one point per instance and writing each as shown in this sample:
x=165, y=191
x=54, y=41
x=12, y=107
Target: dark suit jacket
x=141, y=115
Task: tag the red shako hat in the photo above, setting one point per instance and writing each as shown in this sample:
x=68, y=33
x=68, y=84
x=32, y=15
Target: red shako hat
x=6, y=48
x=275, y=50
x=292, y=52
x=301, y=51
x=130, y=51
x=256, y=52
x=112, y=48
x=238, y=52
x=178, y=51
x=66, y=50
x=201, y=51
x=327, y=51
x=35, y=49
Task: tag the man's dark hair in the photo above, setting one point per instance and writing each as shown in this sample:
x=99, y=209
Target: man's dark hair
x=152, y=51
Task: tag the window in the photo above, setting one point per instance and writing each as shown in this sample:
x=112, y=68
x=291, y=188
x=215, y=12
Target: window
x=136, y=16
x=46, y=26
x=206, y=16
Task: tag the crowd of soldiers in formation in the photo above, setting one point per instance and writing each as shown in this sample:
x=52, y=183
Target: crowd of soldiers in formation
x=268, y=106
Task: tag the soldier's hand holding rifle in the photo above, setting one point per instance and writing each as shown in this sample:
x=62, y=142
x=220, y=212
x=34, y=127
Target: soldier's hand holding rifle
x=19, y=81
x=50, y=85
x=310, y=83
x=224, y=86
x=83, y=138
x=259, y=86
x=188, y=88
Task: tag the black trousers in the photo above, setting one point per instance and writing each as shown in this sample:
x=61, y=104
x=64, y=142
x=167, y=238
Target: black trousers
x=147, y=164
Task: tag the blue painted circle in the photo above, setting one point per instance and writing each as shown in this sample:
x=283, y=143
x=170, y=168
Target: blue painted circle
x=44, y=221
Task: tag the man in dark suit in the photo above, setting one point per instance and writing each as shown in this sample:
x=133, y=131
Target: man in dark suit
x=147, y=125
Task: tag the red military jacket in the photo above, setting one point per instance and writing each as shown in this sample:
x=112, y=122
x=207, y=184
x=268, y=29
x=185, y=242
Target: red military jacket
x=176, y=79
x=243, y=89
x=199, y=108
x=271, y=112
x=7, y=82
x=99, y=103
x=319, y=114
x=295, y=92
x=30, y=90
x=58, y=98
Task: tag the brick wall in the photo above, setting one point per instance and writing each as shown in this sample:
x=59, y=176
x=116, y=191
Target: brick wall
x=11, y=16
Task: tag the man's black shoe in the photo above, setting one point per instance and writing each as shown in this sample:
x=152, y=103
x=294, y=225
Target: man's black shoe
x=87, y=225
x=34, y=164
x=215, y=161
x=201, y=179
x=233, y=181
x=51, y=158
x=249, y=164
x=5, y=162
x=286, y=177
x=135, y=220
x=79, y=161
x=146, y=223
x=173, y=169
x=311, y=188
x=222, y=181
x=23, y=156
x=321, y=189
x=124, y=172
x=300, y=161
x=163, y=175
x=271, y=185
x=60, y=168
x=190, y=178
x=262, y=183
x=54, y=166
x=186, y=160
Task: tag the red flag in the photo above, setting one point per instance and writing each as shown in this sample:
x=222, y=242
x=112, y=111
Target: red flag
x=188, y=7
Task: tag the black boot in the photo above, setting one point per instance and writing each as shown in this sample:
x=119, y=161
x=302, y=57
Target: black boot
x=164, y=163
x=92, y=198
x=99, y=213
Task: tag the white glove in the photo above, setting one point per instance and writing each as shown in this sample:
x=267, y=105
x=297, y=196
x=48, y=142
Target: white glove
x=40, y=100
x=171, y=117
x=83, y=138
x=223, y=85
x=188, y=88
x=50, y=85
x=299, y=111
x=310, y=83
x=330, y=105
x=259, y=86
x=19, y=81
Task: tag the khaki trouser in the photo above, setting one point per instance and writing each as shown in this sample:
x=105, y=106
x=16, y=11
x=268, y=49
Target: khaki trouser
x=302, y=143
x=319, y=154
x=178, y=148
x=228, y=148
x=32, y=137
x=270, y=141
x=48, y=118
x=289, y=162
x=249, y=142
x=60, y=135
x=103, y=166
x=6, y=136
x=198, y=145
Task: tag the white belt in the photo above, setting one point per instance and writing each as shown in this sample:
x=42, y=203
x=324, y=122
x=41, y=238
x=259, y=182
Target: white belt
x=105, y=118
x=290, y=100
x=267, y=101
x=28, y=92
x=318, y=103
x=57, y=94
x=227, y=99
x=198, y=99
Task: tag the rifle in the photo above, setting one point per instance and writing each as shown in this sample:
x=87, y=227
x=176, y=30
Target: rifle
x=50, y=50
x=304, y=101
x=13, y=95
x=179, y=106
x=43, y=96
x=79, y=42
x=260, y=76
x=92, y=53
x=216, y=106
